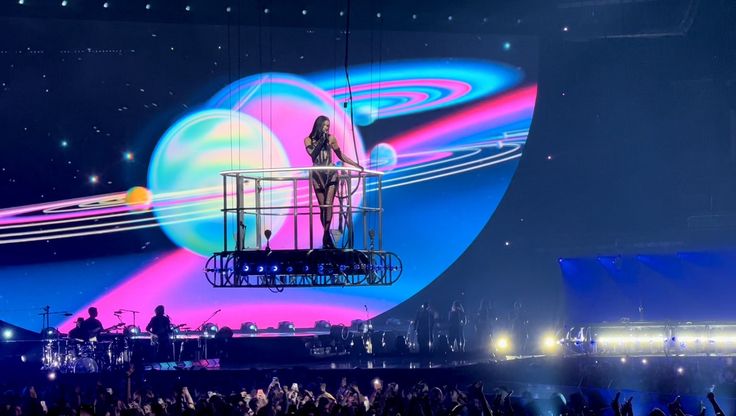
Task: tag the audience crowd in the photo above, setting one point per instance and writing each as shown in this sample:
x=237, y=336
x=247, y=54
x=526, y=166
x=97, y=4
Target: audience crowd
x=67, y=397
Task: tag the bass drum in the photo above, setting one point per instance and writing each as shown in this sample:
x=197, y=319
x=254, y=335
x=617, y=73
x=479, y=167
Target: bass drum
x=85, y=365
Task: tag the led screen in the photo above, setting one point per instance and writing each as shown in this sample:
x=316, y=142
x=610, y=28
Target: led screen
x=115, y=134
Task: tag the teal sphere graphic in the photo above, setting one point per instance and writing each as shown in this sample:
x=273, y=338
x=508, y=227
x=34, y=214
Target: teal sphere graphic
x=383, y=157
x=184, y=176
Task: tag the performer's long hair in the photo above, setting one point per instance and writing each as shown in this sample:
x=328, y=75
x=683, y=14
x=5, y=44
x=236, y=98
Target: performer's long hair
x=317, y=127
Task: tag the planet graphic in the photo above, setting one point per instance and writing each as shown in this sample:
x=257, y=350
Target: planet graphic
x=138, y=198
x=384, y=157
x=443, y=177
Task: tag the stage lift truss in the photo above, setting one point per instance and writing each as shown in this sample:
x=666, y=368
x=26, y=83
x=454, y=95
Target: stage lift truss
x=257, y=200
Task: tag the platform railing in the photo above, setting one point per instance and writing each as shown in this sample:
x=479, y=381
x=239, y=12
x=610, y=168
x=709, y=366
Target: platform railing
x=244, y=191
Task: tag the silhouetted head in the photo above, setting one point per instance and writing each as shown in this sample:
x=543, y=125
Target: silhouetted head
x=159, y=310
x=92, y=311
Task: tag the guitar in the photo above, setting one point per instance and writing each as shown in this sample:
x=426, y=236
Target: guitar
x=155, y=337
x=103, y=331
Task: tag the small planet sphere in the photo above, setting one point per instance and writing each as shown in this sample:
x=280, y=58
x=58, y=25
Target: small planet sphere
x=383, y=157
x=365, y=114
x=138, y=198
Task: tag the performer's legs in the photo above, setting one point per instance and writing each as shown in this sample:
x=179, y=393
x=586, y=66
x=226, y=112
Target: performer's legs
x=329, y=204
x=322, y=191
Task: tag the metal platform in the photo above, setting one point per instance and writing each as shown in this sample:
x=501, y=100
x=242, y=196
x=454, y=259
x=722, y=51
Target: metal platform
x=302, y=268
x=267, y=245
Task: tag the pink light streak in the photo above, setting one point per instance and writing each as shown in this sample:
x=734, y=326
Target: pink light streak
x=177, y=281
x=9, y=212
x=456, y=90
x=486, y=115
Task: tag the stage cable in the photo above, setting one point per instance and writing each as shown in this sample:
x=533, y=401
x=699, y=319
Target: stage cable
x=270, y=113
x=230, y=85
x=261, y=78
x=373, y=223
x=347, y=79
x=240, y=47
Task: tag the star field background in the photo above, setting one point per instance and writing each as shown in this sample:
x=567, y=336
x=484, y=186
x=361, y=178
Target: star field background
x=89, y=101
x=86, y=101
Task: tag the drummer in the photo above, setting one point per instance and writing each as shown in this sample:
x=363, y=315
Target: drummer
x=91, y=327
x=77, y=333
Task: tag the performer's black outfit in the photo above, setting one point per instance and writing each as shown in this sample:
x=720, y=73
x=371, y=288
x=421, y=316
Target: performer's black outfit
x=456, y=322
x=90, y=328
x=424, y=324
x=78, y=332
x=160, y=326
x=485, y=319
x=324, y=182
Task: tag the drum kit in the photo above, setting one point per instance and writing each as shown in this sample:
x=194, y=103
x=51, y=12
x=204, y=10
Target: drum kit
x=107, y=351
x=116, y=347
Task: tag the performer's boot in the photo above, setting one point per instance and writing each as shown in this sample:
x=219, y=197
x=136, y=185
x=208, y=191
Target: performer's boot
x=327, y=240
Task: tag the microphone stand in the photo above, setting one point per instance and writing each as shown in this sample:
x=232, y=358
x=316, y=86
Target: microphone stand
x=201, y=328
x=131, y=311
x=46, y=316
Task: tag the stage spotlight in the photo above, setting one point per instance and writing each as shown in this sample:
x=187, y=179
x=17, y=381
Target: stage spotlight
x=623, y=360
x=52, y=376
x=304, y=12
x=106, y=5
x=286, y=326
x=7, y=333
x=644, y=361
x=21, y=2
x=507, y=46
x=209, y=330
x=188, y=8
x=274, y=268
x=502, y=344
x=322, y=324
x=549, y=344
x=131, y=331
x=680, y=370
x=50, y=333
x=249, y=327
x=23, y=358
x=260, y=269
x=64, y=3
x=148, y=6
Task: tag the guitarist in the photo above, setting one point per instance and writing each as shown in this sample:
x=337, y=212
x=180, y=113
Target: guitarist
x=91, y=327
x=160, y=329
